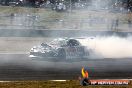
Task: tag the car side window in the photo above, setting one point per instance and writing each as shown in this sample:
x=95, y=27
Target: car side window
x=63, y=43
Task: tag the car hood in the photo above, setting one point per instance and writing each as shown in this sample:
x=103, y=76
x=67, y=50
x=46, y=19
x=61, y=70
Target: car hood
x=40, y=48
x=45, y=48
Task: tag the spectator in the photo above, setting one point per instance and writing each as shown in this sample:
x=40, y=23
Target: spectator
x=129, y=23
x=115, y=24
x=85, y=80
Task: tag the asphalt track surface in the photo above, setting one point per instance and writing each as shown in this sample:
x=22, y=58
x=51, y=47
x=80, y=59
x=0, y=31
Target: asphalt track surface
x=21, y=67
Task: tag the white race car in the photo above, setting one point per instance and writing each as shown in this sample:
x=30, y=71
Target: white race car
x=60, y=49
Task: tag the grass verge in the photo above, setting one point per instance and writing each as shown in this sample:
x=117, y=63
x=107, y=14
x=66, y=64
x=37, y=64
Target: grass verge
x=55, y=84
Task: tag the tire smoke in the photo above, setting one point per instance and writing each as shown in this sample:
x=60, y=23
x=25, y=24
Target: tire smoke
x=110, y=47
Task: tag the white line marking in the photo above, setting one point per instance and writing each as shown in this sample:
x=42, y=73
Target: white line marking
x=5, y=81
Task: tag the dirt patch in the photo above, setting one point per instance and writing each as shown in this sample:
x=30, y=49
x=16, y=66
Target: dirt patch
x=53, y=84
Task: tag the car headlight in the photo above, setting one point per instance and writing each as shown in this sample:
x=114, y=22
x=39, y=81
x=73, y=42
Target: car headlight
x=34, y=50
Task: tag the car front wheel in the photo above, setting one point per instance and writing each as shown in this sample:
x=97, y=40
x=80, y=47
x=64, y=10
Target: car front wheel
x=61, y=54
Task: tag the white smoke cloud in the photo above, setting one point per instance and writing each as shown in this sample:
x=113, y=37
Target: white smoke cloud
x=110, y=47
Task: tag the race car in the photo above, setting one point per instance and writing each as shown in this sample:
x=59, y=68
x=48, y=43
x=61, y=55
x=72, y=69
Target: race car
x=60, y=49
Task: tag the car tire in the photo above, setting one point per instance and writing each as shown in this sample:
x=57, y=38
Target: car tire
x=61, y=54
